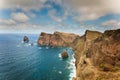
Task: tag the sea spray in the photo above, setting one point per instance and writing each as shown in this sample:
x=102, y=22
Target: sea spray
x=71, y=62
x=72, y=67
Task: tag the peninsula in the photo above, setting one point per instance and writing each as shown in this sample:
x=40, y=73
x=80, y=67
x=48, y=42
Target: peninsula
x=97, y=54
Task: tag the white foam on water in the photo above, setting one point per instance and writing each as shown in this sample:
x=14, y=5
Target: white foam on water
x=29, y=44
x=72, y=68
x=59, y=55
x=47, y=47
x=60, y=72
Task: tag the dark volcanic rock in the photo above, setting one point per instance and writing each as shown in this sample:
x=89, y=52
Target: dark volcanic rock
x=26, y=39
x=64, y=55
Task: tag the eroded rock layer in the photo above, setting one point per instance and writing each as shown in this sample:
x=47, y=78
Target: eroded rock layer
x=98, y=56
x=56, y=39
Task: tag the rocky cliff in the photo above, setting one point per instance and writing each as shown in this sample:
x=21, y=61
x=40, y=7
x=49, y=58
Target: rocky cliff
x=56, y=39
x=97, y=54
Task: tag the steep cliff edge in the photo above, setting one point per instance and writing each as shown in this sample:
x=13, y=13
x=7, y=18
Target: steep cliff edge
x=56, y=39
x=98, y=56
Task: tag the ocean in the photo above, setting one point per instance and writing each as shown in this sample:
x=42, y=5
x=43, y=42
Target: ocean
x=23, y=61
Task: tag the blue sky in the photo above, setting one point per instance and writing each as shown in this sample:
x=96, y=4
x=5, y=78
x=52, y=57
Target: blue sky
x=73, y=16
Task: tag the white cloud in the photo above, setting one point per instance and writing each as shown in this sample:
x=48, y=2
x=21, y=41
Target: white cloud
x=110, y=22
x=80, y=10
x=19, y=17
x=52, y=13
x=113, y=24
x=14, y=19
x=23, y=4
x=93, y=9
x=85, y=9
x=7, y=22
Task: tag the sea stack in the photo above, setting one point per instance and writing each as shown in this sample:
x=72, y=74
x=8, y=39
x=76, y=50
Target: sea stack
x=26, y=39
x=64, y=54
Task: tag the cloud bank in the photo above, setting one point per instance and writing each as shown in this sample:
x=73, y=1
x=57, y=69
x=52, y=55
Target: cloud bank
x=63, y=15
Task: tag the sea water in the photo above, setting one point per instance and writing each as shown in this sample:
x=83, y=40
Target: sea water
x=23, y=61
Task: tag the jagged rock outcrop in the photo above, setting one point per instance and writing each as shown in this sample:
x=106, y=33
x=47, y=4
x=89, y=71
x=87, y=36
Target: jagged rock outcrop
x=56, y=39
x=26, y=39
x=98, y=56
x=64, y=55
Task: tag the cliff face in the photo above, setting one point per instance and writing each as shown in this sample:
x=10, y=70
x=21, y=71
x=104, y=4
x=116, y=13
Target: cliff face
x=56, y=39
x=98, y=56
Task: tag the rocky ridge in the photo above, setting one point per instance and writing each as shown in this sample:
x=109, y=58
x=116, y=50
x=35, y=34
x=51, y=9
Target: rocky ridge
x=97, y=54
x=56, y=39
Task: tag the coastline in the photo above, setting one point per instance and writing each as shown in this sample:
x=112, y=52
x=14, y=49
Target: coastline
x=93, y=53
x=71, y=63
x=73, y=71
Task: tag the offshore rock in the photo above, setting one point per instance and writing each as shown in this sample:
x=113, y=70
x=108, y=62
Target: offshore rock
x=64, y=55
x=26, y=39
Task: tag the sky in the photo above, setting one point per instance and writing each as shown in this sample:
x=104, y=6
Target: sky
x=71, y=16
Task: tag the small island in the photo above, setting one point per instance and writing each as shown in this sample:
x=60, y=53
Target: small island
x=26, y=39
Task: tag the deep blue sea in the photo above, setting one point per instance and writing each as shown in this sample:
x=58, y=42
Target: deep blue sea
x=20, y=61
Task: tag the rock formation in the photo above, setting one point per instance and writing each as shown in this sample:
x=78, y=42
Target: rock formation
x=26, y=39
x=56, y=39
x=97, y=54
x=64, y=55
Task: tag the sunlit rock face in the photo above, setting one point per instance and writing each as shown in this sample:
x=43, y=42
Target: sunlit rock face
x=56, y=39
x=98, y=55
x=106, y=49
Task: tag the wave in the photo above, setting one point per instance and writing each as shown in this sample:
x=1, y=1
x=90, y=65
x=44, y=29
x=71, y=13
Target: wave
x=60, y=72
x=47, y=47
x=71, y=65
x=60, y=57
x=72, y=68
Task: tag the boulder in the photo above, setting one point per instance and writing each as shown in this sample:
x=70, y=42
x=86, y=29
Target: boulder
x=26, y=39
x=64, y=54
